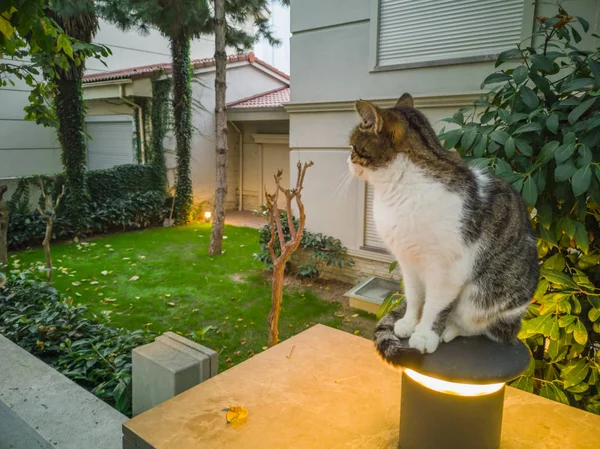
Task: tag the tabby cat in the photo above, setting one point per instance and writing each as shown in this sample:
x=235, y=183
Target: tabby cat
x=462, y=237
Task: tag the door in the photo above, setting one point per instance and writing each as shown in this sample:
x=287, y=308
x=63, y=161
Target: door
x=111, y=141
x=276, y=157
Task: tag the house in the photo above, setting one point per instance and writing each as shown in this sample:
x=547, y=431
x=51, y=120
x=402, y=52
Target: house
x=256, y=142
x=376, y=50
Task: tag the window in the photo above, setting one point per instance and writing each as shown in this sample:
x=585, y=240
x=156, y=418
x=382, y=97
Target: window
x=425, y=32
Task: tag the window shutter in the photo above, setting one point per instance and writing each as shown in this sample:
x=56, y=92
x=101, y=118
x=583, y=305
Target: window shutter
x=415, y=31
x=111, y=144
x=372, y=238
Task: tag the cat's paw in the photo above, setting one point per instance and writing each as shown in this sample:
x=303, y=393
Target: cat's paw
x=404, y=327
x=425, y=341
x=450, y=333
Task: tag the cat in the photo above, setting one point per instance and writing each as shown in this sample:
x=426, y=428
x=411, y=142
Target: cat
x=462, y=237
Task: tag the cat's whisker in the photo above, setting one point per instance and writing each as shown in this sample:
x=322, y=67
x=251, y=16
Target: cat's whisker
x=344, y=185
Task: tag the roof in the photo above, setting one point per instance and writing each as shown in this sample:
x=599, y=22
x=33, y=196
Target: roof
x=271, y=99
x=149, y=70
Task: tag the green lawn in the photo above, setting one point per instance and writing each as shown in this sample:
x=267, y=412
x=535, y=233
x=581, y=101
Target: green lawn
x=164, y=276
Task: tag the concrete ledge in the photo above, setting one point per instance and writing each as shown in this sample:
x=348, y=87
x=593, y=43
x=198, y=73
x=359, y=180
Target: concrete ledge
x=40, y=408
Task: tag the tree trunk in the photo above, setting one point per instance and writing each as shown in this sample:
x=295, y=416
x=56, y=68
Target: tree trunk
x=182, y=114
x=216, y=236
x=46, y=244
x=3, y=228
x=276, y=299
x=70, y=111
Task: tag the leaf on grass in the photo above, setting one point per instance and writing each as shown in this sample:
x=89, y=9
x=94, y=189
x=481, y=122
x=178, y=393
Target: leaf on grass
x=75, y=283
x=172, y=304
x=109, y=299
x=356, y=332
x=355, y=315
x=104, y=273
x=135, y=278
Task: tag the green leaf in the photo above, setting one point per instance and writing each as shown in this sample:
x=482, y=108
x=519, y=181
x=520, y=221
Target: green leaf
x=524, y=383
x=520, y=74
x=564, y=152
x=530, y=192
x=544, y=213
x=529, y=97
x=547, y=152
x=554, y=333
x=570, y=138
x=564, y=171
x=488, y=116
x=556, y=263
x=580, y=110
x=584, y=24
x=552, y=123
x=585, y=156
x=509, y=147
x=595, y=68
x=577, y=84
x=575, y=372
x=518, y=185
x=469, y=137
x=393, y=266
x=566, y=320
x=451, y=138
x=580, y=333
x=576, y=35
x=529, y=127
x=495, y=78
x=540, y=325
x=593, y=314
x=506, y=55
x=63, y=44
x=559, y=278
x=502, y=166
x=499, y=136
x=480, y=147
x=581, y=237
x=581, y=180
x=542, y=63
x=524, y=147
x=6, y=28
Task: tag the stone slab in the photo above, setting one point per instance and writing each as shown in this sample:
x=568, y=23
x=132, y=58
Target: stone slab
x=44, y=409
x=167, y=367
x=332, y=392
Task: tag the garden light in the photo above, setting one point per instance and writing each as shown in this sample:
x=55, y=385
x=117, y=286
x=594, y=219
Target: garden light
x=207, y=215
x=454, y=397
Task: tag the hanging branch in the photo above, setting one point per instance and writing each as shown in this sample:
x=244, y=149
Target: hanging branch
x=287, y=248
x=49, y=215
x=3, y=227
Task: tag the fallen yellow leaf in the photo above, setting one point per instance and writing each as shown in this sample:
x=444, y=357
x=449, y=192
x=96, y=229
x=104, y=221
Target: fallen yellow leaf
x=236, y=415
x=355, y=315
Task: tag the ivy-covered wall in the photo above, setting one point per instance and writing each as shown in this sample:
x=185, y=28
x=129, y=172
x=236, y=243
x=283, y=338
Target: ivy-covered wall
x=121, y=198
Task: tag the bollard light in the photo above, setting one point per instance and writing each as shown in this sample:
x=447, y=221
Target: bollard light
x=453, y=398
x=207, y=215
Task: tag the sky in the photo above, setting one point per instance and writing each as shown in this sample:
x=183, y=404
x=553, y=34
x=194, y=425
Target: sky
x=279, y=57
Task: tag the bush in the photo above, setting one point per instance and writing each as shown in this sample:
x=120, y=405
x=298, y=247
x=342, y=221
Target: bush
x=539, y=129
x=324, y=250
x=121, y=198
x=88, y=351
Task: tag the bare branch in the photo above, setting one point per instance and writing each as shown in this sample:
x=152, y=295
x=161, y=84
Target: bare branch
x=60, y=195
x=3, y=190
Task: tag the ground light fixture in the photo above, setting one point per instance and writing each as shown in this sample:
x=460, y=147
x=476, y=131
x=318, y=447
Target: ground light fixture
x=207, y=216
x=453, y=398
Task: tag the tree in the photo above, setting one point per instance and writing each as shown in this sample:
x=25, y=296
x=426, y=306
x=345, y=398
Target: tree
x=78, y=19
x=3, y=227
x=228, y=16
x=287, y=247
x=33, y=46
x=48, y=213
x=539, y=129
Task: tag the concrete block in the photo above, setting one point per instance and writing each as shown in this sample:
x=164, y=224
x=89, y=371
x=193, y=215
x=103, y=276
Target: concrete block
x=167, y=367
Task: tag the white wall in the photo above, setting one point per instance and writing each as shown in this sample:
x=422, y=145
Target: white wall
x=277, y=56
x=330, y=69
x=242, y=82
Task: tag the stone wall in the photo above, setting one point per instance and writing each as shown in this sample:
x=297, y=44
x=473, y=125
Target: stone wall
x=362, y=269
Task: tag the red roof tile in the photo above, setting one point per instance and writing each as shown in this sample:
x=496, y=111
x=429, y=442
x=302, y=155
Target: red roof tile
x=270, y=99
x=148, y=70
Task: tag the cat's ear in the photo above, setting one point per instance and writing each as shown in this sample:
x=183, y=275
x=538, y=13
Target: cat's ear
x=370, y=115
x=405, y=100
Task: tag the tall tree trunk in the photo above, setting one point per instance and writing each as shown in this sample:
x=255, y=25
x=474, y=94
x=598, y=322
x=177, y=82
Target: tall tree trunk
x=70, y=110
x=216, y=236
x=3, y=227
x=182, y=114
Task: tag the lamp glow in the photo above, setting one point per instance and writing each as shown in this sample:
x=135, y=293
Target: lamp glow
x=458, y=389
x=207, y=215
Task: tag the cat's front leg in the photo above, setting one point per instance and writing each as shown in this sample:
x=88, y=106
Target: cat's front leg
x=438, y=304
x=413, y=295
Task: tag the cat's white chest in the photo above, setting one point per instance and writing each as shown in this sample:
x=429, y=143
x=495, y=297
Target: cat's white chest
x=417, y=215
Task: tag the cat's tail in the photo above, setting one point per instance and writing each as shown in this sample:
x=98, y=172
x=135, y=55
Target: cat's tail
x=390, y=348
